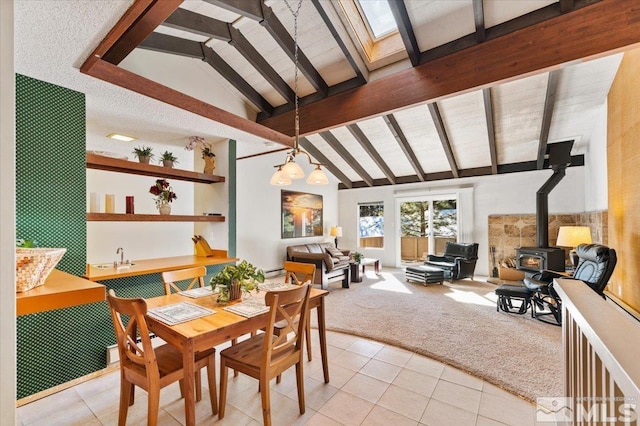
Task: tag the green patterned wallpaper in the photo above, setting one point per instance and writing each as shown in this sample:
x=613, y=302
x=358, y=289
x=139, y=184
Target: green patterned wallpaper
x=51, y=209
x=50, y=169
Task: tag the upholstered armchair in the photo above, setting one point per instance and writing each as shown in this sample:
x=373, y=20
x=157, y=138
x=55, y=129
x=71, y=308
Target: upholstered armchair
x=458, y=260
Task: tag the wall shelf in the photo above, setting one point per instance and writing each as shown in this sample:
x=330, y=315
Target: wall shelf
x=100, y=162
x=121, y=217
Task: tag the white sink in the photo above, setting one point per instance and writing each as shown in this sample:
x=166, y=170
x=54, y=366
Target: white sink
x=110, y=266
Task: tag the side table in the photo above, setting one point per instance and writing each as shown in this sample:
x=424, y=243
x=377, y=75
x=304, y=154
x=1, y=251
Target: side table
x=356, y=276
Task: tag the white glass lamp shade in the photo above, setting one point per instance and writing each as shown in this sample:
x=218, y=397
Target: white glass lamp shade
x=317, y=177
x=280, y=178
x=572, y=236
x=292, y=170
x=336, y=231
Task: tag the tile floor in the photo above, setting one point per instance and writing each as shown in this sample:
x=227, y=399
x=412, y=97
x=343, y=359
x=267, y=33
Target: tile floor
x=371, y=384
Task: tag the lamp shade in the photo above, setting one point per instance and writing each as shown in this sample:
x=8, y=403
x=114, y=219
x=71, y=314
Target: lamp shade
x=317, y=177
x=280, y=178
x=293, y=170
x=572, y=236
x=336, y=231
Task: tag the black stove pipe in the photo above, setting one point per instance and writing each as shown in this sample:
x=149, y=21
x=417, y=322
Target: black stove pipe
x=542, y=205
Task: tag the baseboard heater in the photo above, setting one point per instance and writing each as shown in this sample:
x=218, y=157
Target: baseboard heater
x=112, y=351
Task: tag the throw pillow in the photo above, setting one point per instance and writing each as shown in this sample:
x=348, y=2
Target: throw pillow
x=334, y=252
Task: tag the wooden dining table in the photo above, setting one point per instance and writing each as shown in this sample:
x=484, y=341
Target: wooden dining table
x=222, y=326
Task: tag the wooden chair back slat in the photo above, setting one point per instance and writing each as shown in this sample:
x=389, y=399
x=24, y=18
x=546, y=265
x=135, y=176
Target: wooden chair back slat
x=170, y=278
x=299, y=273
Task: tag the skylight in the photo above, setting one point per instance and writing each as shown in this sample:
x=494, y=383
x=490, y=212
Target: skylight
x=378, y=17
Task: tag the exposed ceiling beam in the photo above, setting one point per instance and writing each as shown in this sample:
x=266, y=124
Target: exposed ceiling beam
x=268, y=19
x=121, y=77
x=444, y=138
x=249, y=8
x=365, y=143
x=478, y=18
x=338, y=39
x=566, y=5
x=186, y=20
x=250, y=53
x=549, y=102
x=153, y=15
x=315, y=153
x=405, y=29
x=491, y=130
x=179, y=46
x=346, y=156
x=527, y=166
x=397, y=133
x=598, y=29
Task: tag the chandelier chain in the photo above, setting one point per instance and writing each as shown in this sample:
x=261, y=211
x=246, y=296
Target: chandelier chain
x=295, y=14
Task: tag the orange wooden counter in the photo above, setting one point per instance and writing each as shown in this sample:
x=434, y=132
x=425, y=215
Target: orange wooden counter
x=151, y=266
x=60, y=290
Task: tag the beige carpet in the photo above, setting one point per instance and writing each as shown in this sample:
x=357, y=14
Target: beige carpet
x=453, y=323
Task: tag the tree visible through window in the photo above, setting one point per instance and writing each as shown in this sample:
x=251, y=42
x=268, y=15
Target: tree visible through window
x=371, y=225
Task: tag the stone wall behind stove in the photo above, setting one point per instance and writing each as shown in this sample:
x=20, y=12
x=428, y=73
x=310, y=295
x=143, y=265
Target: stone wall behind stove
x=510, y=232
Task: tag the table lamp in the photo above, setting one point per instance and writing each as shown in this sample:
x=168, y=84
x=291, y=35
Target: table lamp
x=336, y=231
x=572, y=236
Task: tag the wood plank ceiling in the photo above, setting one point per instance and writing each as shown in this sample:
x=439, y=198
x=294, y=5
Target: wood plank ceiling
x=482, y=86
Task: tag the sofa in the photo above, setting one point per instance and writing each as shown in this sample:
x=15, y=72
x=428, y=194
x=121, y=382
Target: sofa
x=457, y=262
x=331, y=264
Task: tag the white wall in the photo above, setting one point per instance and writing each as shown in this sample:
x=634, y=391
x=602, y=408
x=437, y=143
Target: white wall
x=8, y=223
x=258, y=204
x=499, y=194
x=147, y=240
x=596, y=192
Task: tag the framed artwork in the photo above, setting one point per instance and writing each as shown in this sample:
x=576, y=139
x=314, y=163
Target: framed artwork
x=301, y=214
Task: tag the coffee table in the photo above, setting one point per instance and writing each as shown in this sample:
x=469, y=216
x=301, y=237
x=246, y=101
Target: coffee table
x=356, y=273
x=371, y=261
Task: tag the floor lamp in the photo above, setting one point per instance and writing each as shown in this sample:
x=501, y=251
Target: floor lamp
x=573, y=236
x=336, y=231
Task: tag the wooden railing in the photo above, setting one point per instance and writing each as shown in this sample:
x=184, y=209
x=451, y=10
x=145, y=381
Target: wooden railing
x=601, y=347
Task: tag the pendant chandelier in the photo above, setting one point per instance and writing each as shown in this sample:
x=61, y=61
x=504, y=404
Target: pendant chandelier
x=290, y=170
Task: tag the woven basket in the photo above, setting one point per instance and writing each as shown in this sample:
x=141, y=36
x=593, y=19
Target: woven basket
x=33, y=266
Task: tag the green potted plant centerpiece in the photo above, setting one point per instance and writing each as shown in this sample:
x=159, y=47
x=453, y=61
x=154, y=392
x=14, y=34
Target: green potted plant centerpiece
x=168, y=159
x=232, y=280
x=357, y=257
x=144, y=153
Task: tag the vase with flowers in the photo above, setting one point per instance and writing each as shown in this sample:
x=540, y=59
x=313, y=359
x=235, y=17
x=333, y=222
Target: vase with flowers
x=164, y=195
x=207, y=154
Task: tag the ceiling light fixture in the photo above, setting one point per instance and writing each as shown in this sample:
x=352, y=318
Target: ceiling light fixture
x=290, y=169
x=121, y=137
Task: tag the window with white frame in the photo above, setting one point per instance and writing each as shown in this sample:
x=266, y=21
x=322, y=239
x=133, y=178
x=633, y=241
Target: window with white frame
x=371, y=225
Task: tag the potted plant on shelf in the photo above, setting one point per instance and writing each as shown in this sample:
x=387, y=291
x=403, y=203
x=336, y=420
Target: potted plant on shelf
x=232, y=280
x=168, y=159
x=207, y=154
x=163, y=195
x=144, y=153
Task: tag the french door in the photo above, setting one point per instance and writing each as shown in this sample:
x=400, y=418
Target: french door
x=426, y=224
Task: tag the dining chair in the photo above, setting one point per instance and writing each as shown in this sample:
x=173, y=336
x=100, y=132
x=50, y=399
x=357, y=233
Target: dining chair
x=196, y=275
x=147, y=367
x=299, y=273
x=267, y=355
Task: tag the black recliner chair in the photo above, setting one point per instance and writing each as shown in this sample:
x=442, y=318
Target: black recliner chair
x=458, y=260
x=595, y=266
